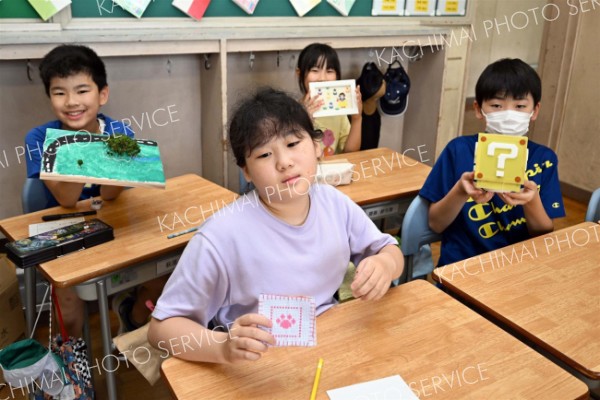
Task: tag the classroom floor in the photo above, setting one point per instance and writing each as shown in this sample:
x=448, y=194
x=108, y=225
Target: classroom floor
x=132, y=385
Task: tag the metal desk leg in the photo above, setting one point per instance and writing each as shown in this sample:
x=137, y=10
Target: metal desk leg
x=87, y=335
x=108, y=359
x=30, y=306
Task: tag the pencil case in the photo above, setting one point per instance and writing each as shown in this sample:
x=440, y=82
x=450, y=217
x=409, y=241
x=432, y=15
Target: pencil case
x=52, y=244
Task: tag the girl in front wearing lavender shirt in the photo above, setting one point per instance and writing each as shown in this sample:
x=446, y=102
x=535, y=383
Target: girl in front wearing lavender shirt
x=287, y=237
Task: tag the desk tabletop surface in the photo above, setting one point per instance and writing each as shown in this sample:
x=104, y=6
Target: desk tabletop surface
x=141, y=218
x=438, y=346
x=546, y=288
x=382, y=174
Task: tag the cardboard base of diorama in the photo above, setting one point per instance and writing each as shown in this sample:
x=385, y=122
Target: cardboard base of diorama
x=86, y=158
x=100, y=181
x=500, y=162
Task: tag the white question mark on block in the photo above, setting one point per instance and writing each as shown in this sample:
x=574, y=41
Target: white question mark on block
x=514, y=150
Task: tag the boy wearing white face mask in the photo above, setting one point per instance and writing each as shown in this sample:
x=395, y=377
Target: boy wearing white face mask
x=473, y=221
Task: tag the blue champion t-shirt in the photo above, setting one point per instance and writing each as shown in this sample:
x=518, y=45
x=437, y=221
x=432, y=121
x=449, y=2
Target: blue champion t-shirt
x=34, y=144
x=480, y=228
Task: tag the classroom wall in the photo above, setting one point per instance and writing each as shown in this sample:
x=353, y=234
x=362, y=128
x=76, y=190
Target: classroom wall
x=579, y=141
x=521, y=38
x=159, y=94
x=571, y=120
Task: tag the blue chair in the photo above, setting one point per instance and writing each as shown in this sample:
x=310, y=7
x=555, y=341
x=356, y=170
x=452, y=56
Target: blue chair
x=33, y=196
x=593, y=211
x=415, y=234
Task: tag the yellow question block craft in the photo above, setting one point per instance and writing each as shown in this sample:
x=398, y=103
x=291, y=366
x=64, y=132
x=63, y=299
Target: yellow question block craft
x=500, y=162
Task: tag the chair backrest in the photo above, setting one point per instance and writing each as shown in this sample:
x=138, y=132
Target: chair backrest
x=416, y=232
x=33, y=195
x=593, y=211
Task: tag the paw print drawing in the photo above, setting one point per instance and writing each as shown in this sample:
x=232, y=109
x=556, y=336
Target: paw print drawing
x=286, y=322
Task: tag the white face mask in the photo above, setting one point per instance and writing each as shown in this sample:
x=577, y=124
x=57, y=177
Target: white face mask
x=507, y=122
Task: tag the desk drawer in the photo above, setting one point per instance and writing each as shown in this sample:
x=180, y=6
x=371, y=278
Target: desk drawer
x=385, y=209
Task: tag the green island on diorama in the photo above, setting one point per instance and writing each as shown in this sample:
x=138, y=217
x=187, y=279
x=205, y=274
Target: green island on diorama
x=103, y=159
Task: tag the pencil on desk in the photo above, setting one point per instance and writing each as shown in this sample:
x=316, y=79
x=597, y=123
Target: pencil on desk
x=313, y=394
x=173, y=235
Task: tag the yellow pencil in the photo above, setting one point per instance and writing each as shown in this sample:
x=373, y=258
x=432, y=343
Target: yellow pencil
x=313, y=394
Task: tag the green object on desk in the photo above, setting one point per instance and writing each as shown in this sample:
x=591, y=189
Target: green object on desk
x=345, y=292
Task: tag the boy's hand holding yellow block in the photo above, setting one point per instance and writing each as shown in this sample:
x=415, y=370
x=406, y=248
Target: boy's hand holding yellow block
x=500, y=162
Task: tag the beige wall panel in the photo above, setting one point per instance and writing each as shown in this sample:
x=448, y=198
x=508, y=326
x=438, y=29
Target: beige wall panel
x=579, y=140
x=452, y=102
x=520, y=38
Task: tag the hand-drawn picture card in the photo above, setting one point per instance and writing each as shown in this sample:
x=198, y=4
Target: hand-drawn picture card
x=293, y=319
x=342, y=6
x=500, y=162
x=47, y=8
x=134, y=7
x=247, y=5
x=304, y=6
x=92, y=158
x=339, y=97
x=193, y=8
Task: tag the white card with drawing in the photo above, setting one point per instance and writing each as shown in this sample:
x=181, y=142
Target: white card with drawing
x=293, y=319
x=339, y=97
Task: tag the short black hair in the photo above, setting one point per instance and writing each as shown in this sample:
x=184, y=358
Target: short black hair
x=70, y=59
x=508, y=77
x=264, y=115
x=317, y=55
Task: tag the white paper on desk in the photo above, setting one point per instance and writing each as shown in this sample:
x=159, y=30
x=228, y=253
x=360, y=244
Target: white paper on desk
x=335, y=174
x=36, y=229
x=390, y=388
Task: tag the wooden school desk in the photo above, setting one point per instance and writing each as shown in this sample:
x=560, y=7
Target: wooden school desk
x=141, y=218
x=384, y=181
x=546, y=289
x=441, y=348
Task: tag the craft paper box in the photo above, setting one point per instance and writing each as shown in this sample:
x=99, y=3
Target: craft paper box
x=500, y=162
